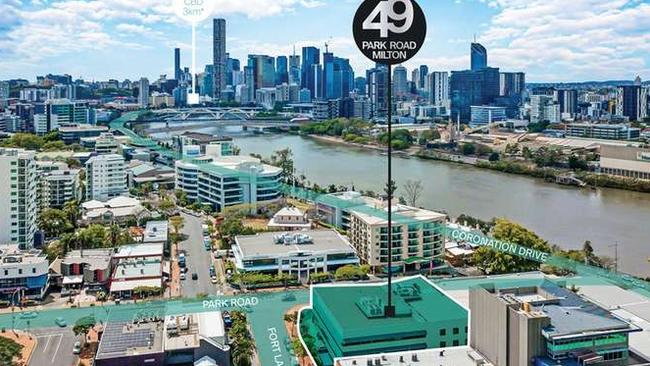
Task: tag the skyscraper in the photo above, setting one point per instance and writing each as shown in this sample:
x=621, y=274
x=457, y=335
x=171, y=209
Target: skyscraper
x=310, y=67
x=632, y=102
x=219, y=55
x=177, y=64
x=263, y=69
x=424, y=71
x=568, y=101
x=343, y=82
x=294, y=68
x=512, y=84
x=472, y=88
x=438, y=89
x=479, y=57
x=328, y=75
x=143, y=94
x=281, y=70
x=232, y=66
x=400, y=82
x=377, y=79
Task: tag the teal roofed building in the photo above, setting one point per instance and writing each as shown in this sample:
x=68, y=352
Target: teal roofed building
x=349, y=320
x=228, y=180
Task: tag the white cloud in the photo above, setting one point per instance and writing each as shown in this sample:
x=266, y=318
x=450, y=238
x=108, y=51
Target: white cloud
x=564, y=40
x=29, y=35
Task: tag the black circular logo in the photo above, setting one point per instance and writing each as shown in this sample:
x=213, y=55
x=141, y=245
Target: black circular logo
x=389, y=31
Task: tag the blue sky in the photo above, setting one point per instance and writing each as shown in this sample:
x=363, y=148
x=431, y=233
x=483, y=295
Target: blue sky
x=550, y=40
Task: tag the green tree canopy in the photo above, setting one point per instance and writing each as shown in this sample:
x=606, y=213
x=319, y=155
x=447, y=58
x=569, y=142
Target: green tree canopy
x=494, y=262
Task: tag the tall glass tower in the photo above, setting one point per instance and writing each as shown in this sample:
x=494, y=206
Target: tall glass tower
x=479, y=57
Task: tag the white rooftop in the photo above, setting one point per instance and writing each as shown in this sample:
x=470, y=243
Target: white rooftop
x=457, y=356
x=139, y=250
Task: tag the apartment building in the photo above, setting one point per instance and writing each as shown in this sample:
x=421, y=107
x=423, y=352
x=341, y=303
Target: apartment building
x=105, y=177
x=18, y=197
x=58, y=187
x=418, y=240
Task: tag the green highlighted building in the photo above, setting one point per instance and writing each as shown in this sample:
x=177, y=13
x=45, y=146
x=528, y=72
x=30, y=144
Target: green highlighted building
x=349, y=320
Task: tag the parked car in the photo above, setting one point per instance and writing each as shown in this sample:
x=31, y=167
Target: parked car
x=227, y=320
x=214, y=280
x=183, y=276
x=77, y=348
x=60, y=322
x=195, y=276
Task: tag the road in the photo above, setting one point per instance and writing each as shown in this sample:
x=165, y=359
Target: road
x=197, y=258
x=54, y=347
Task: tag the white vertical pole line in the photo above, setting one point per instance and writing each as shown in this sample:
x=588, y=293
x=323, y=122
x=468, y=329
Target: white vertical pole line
x=194, y=58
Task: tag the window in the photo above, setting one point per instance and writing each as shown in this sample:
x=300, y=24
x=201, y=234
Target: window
x=443, y=344
x=443, y=332
x=456, y=343
x=6, y=273
x=33, y=270
x=456, y=331
x=20, y=271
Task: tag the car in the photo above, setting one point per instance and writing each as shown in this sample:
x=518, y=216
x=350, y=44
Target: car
x=77, y=348
x=183, y=276
x=195, y=276
x=214, y=280
x=60, y=322
x=28, y=315
x=227, y=320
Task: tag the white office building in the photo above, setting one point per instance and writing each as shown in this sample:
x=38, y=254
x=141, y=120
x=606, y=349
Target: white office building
x=228, y=180
x=18, y=197
x=299, y=253
x=105, y=177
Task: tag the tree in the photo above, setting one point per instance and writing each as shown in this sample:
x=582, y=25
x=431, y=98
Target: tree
x=577, y=163
x=494, y=157
x=496, y=262
x=283, y=159
x=468, y=149
x=413, y=190
x=84, y=325
x=113, y=235
x=177, y=222
x=53, y=222
x=72, y=211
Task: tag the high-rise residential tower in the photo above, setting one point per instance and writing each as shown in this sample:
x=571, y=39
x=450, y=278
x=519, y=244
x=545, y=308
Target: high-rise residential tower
x=18, y=196
x=143, y=95
x=219, y=57
x=400, y=82
x=177, y=64
x=310, y=79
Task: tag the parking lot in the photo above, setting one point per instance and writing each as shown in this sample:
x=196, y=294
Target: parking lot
x=54, y=347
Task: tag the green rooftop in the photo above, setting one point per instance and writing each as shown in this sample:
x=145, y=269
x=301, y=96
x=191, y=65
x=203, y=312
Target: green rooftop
x=349, y=320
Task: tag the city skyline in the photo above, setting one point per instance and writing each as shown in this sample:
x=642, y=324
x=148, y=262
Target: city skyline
x=593, y=41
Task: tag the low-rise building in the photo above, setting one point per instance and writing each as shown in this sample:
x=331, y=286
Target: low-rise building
x=116, y=210
x=487, y=115
x=624, y=161
x=23, y=274
x=193, y=337
x=295, y=253
x=545, y=325
x=418, y=240
x=71, y=134
x=603, y=131
x=228, y=181
x=289, y=218
x=139, y=173
x=90, y=268
x=137, y=266
x=131, y=343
